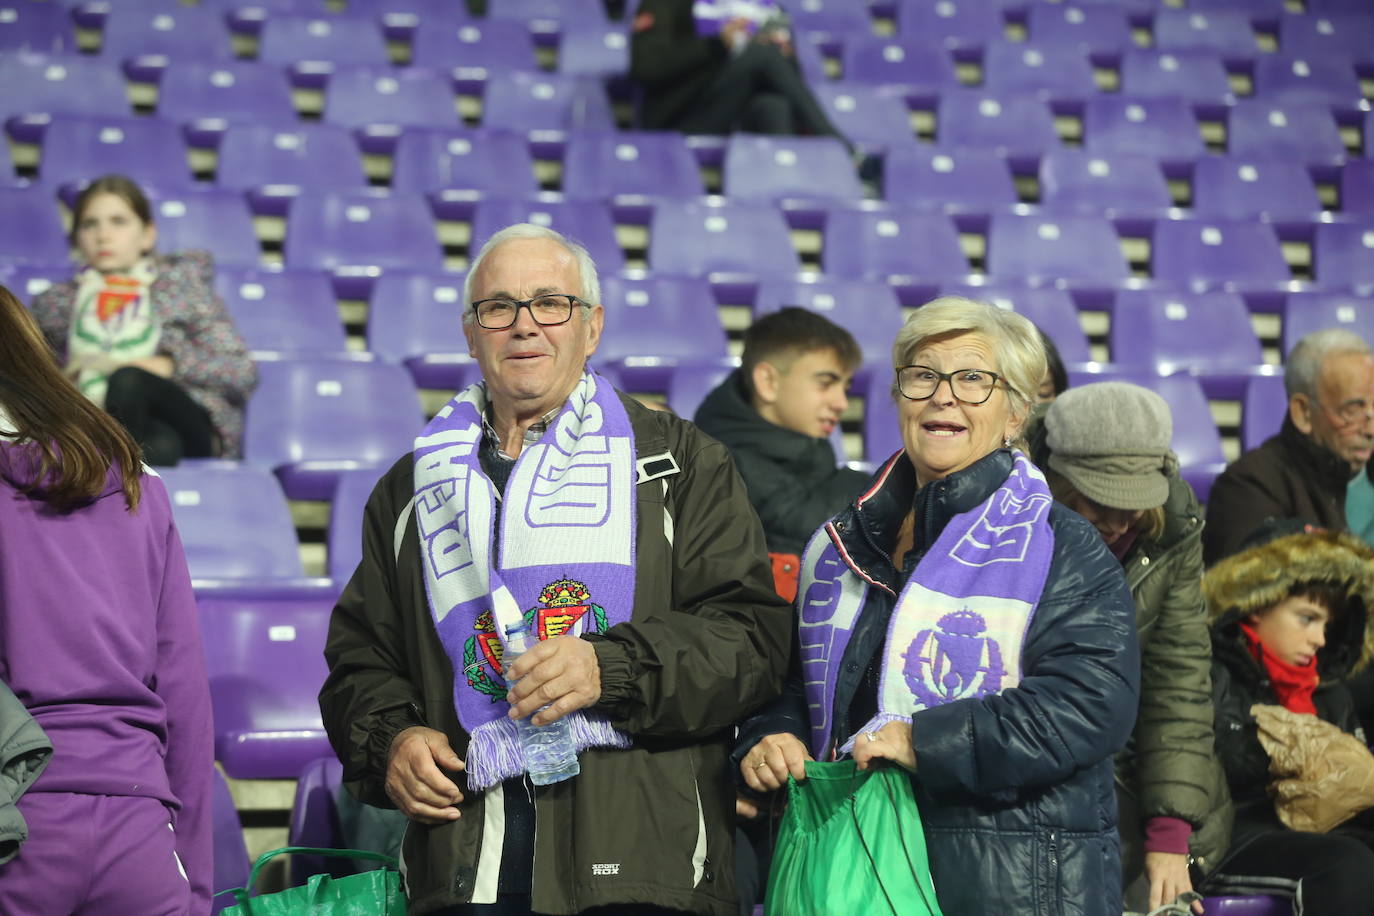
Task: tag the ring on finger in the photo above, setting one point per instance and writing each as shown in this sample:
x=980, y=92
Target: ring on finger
x=761, y=764
x=872, y=736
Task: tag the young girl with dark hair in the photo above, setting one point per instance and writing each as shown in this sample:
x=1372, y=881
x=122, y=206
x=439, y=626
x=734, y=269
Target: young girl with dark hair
x=100, y=642
x=144, y=335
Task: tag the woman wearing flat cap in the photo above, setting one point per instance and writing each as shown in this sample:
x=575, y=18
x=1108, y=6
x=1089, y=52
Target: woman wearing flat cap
x=1105, y=451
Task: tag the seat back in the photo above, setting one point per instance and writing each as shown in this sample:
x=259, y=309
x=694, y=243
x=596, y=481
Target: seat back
x=237, y=92
x=333, y=39
x=32, y=228
x=361, y=230
x=963, y=179
x=1258, y=128
x=213, y=219
x=1050, y=248
x=694, y=238
x=878, y=243
x=1196, y=253
x=1245, y=189
x=233, y=520
x=360, y=96
x=306, y=156
x=149, y=150
x=774, y=168
x=586, y=222
x=547, y=101
x=282, y=311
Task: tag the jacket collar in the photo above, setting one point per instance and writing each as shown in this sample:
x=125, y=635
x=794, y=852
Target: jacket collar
x=1327, y=467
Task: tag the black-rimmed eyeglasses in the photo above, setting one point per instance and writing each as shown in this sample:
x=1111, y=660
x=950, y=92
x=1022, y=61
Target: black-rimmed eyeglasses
x=499, y=314
x=972, y=386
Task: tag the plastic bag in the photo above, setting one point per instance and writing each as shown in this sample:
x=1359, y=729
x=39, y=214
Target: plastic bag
x=1323, y=776
x=369, y=893
x=850, y=842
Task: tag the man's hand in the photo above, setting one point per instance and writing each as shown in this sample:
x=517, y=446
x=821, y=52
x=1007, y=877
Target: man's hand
x=767, y=765
x=414, y=782
x=745, y=808
x=891, y=742
x=1168, y=875
x=561, y=673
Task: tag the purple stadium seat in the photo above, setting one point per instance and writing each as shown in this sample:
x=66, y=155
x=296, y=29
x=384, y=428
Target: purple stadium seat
x=346, y=521
x=416, y=319
x=1260, y=905
x=545, y=101
x=919, y=68
x=1199, y=254
x=379, y=101
x=882, y=436
x=275, y=164
x=282, y=312
x=314, y=46
x=1339, y=36
x=1335, y=7
x=910, y=249
x=1205, y=334
x=586, y=222
x=1197, y=77
x=871, y=117
x=209, y=96
x=232, y=868
x=457, y=168
x=1357, y=186
x=799, y=173
x=692, y=382
x=248, y=19
x=1196, y=440
x=1343, y=254
x=265, y=658
x=401, y=18
x=310, y=419
x=694, y=238
x=867, y=308
x=1020, y=128
x=474, y=51
x=147, y=40
x=148, y=150
x=1266, y=11
x=1240, y=188
x=594, y=49
x=1129, y=190
x=28, y=280
x=93, y=14
x=810, y=57
x=547, y=18
x=630, y=169
x=234, y=522
x=958, y=181
x=959, y=25
x=32, y=229
x=1309, y=311
x=1046, y=70
x=38, y=86
x=1044, y=249
x=1091, y=28
x=209, y=218
x=1306, y=133
x=357, y=234
x=831, y=20
x=1164, y=128
x=1227, y=32
x=40, y=27
x=1052, y=310
x=655, y=323
x=1291, y=80
x=315, y=819
x=1262, y=410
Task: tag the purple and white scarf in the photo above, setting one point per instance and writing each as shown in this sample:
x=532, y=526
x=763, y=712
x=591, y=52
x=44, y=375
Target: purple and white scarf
x=960, y=623
x=563, y=560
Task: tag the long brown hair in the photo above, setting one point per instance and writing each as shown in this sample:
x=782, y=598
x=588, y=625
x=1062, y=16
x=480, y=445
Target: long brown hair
x=72, y=443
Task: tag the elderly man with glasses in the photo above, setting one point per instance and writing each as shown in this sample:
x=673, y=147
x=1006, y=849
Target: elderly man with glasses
x=624, y=538
x=1305, y=470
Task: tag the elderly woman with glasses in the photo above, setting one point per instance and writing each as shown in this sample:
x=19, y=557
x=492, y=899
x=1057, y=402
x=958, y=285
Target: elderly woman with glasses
x=956, y=622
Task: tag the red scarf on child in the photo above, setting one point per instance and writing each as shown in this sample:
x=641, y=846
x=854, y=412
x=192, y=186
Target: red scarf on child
x=1293, y=684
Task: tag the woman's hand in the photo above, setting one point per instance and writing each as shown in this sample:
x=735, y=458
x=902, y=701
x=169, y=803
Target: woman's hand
x=1168, y=875
x=891, y=742
x=766, y=767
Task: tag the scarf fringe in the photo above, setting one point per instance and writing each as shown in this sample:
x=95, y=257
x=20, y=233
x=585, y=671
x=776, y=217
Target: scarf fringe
x=495, y=755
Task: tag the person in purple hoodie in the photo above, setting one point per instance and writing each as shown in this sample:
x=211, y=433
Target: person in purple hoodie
x=100, y=642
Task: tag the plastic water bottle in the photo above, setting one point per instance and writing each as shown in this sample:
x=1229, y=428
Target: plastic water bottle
x=549, y=752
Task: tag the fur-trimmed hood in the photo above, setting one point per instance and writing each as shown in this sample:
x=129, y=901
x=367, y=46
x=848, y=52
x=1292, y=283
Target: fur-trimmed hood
x=1266, y=574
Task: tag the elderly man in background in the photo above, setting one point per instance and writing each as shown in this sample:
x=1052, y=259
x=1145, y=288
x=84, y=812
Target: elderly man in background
x=541, y=494
x=1304, y=471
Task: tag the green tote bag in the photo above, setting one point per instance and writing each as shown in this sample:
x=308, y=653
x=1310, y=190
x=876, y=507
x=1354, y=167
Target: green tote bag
x=850, y=842
x=369, y=893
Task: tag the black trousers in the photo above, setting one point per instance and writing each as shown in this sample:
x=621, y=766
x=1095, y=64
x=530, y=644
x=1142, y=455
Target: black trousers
x=760, y=91
x=520, y=906
x=160, y=415
x=1335, y=870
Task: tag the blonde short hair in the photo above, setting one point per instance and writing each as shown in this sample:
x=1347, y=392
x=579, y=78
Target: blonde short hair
x=1015, y=342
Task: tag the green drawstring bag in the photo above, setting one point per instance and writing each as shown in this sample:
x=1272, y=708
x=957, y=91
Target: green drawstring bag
x=850, y=842
x=369, y=893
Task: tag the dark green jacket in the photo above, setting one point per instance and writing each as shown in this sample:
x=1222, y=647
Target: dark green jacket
x=793, y=479
x=707, y=644
x=1169, y=767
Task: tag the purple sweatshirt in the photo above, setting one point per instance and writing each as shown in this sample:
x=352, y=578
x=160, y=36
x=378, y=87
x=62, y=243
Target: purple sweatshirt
x=99, y=639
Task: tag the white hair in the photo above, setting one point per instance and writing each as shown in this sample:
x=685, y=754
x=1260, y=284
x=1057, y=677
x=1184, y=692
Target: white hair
x=1304, y=364
x=1014, y=339
x=590, y=294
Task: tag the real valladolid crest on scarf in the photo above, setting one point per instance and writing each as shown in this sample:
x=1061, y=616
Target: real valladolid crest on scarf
x=960, y=623
x=563, y=559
